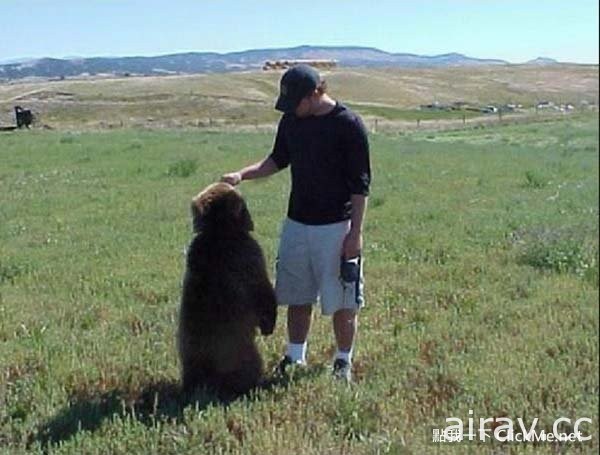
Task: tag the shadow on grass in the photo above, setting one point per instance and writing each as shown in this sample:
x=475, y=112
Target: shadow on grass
x=155, y=402
x=87, y=409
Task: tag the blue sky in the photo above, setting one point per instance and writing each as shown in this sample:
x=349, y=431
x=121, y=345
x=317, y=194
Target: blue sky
x=514, y=30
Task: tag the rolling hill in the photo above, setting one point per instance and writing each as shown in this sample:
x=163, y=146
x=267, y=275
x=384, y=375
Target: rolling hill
x=210, y=62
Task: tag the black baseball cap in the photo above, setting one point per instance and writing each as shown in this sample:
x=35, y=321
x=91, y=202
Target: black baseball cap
x=296, y=83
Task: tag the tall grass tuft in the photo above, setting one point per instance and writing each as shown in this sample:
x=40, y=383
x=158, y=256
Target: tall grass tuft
x=534, y=179
x=182, y=168
x=560, y=250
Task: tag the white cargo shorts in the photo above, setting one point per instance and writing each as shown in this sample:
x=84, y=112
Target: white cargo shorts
x=308, y=268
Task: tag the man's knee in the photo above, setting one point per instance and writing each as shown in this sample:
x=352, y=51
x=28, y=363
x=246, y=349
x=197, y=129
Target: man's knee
x=345, y=314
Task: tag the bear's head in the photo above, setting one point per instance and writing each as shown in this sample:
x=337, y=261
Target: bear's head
x=220, y=208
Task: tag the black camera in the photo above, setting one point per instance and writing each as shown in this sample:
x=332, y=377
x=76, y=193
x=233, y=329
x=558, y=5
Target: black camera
x=350, y=269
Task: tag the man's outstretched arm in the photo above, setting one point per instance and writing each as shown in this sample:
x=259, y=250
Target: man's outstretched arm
x=257, y=170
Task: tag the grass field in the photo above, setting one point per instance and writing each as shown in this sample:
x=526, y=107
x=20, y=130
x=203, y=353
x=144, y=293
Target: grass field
x=481, y=284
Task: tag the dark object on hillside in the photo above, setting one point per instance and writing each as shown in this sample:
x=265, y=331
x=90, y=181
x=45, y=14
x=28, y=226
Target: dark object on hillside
x=285, y=64
x=24, y=117
x=226, y=296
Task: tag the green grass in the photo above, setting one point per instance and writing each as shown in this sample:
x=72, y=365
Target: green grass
x=481, y=288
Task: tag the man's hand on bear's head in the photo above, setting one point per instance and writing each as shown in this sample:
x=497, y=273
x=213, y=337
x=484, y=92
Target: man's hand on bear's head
x=233, y=178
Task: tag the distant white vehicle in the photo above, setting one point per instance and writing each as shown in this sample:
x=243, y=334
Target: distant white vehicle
x=545, y=105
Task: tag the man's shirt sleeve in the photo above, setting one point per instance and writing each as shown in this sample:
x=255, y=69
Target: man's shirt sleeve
x=358, y=166
x=280, y=154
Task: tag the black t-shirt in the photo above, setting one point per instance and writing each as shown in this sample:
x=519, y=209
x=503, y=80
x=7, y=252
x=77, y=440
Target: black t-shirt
x=329, y=160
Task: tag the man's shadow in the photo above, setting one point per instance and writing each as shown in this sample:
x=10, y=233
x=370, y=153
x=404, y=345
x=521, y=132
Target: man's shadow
x=154, y=402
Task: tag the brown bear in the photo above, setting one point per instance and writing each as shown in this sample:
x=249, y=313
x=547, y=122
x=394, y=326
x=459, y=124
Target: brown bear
x=226, y=296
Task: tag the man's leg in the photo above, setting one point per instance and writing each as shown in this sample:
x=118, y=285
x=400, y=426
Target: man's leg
x=298, y=322
x=338, y=298
x=298, y=326
x=345, y=322
x=295, y=287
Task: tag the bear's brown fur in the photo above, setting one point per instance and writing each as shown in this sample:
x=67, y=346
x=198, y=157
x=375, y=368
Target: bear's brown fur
x=226, y=296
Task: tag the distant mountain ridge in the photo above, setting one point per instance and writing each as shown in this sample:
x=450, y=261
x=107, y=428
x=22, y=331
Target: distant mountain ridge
x=204, y=62
x=542, y=61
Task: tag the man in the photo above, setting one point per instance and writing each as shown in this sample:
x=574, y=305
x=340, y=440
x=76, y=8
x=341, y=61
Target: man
x=326, y=146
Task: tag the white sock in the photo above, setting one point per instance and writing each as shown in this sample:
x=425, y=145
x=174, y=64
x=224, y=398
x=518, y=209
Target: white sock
x=297, y=352
x=344, y=355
